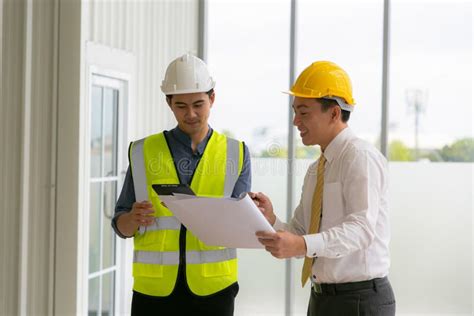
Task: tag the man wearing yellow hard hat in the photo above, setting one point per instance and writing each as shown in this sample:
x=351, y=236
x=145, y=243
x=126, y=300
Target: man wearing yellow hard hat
x=341, y=225
x=174, y=272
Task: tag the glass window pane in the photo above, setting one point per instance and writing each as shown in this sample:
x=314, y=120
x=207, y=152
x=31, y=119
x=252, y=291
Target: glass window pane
x=262, y=277
x=96, y=131
x=108, y=288
x=108, y=237
x=431, y=63
x=348, y=33
x=248, y=57
x=94, y=292
x=110, y=132
x=103, y=193
x=94, y=226
x=431, y=121
x=249, y=104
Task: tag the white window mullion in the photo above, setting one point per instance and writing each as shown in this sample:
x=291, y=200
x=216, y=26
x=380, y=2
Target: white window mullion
x=102, y=272
x=104, y=179
x=102, y=202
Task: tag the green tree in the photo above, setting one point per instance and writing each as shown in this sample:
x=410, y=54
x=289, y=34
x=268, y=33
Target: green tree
x=398, y=151
x=307, y=152
x=274, y=153
x=301, y=152
x=461, y=150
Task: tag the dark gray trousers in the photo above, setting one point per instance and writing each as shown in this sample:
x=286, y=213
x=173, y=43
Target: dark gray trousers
x=374, y=298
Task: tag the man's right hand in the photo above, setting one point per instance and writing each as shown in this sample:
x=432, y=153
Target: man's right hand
x=140, y=215
x=265, y=205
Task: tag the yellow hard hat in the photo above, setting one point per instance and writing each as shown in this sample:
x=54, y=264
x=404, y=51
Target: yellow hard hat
x=324, y=79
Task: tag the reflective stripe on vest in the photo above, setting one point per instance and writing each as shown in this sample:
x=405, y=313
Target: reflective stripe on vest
x=141, y=193
x=209, y=256
x=138, y=171
x=154, y=257
x=232, y=166
x=192, y=257
x=163, y=223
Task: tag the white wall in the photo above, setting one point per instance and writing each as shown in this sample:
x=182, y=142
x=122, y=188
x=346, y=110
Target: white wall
x=26, y=173
x=10, y=160
x=155, y=32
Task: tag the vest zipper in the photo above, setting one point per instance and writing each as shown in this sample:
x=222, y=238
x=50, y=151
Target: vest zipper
x=182, y=254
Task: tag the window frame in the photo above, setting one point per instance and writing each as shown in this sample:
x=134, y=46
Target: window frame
x=112, y=68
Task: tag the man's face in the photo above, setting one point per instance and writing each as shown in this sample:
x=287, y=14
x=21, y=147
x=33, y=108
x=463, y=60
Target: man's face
x=312, y=123
x=192, y=111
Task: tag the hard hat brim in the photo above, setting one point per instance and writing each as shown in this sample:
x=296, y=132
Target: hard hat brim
x=340, y=101
x=186, y=91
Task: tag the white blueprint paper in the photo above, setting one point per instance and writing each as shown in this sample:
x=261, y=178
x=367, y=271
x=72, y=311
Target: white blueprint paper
x=220, y=221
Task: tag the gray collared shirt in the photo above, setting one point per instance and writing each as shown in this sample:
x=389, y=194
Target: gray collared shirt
x=186, y=162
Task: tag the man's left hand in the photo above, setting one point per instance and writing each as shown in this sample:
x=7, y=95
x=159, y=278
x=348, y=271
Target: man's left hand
x=282, y=244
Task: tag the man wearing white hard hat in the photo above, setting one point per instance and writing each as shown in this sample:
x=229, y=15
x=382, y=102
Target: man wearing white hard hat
x=174, y=272
x=341, y=225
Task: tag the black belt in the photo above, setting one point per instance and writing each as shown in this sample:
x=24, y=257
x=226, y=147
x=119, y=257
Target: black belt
x=335, y=288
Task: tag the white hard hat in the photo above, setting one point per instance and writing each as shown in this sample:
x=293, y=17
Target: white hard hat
x=187, y=74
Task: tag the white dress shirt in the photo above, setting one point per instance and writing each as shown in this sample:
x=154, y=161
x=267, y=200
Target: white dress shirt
x=352, y=243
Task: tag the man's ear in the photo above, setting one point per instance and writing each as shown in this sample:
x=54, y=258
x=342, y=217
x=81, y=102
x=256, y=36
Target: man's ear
x=336, y=113
x=212, y=97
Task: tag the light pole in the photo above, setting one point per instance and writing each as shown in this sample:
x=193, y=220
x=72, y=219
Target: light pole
x=416, y=100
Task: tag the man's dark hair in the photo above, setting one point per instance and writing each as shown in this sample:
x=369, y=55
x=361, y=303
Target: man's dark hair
x=329, y=103
x=209, y=93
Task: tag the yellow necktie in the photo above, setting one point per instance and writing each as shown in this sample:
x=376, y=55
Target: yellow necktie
x=316, y=208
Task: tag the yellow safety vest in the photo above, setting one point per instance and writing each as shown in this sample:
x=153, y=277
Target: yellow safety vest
x=156, y=254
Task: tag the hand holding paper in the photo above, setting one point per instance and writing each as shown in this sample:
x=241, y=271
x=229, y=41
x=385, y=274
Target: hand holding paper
x=264, y=205
x=282, y=244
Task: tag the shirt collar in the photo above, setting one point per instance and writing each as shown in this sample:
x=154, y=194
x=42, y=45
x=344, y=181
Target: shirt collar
x=184, y=139
x=336, y=145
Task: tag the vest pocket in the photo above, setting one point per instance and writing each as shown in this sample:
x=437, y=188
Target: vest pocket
x=203, y=246
x=155, y=240
x=147, y=270
x=215, y=269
